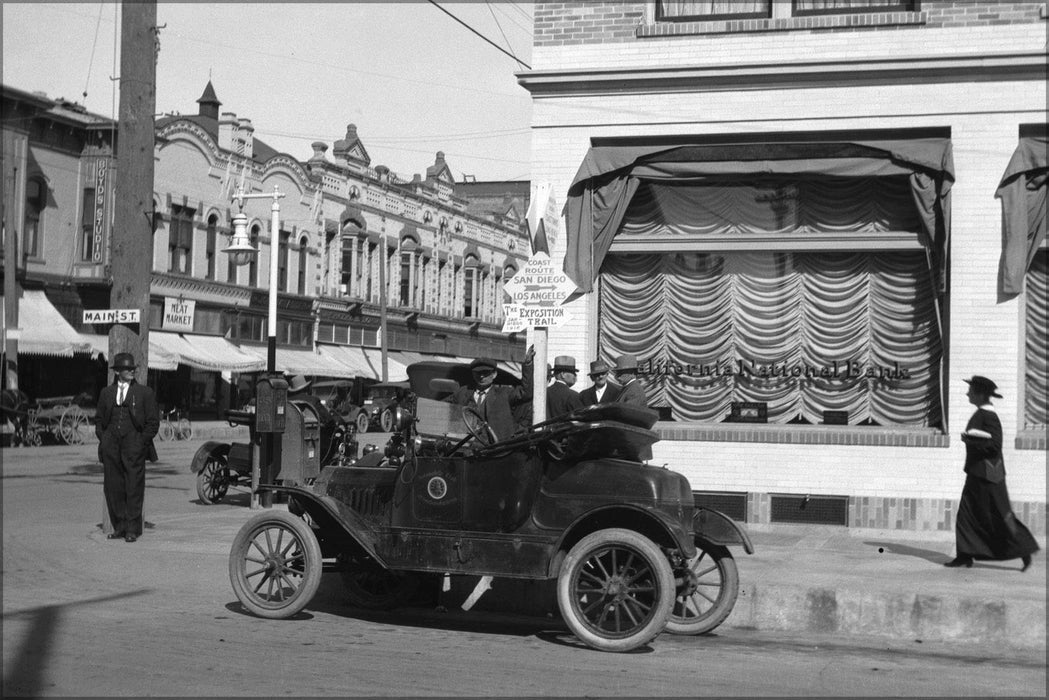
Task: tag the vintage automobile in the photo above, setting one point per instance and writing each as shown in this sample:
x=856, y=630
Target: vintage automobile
x=380, y=404
x=566, y=499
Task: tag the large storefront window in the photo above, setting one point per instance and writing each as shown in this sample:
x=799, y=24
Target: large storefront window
x=1036, y=376
x=796, y=282
x=802, y=333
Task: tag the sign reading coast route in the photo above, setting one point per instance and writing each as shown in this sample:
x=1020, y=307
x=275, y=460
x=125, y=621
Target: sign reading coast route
x=538, y=290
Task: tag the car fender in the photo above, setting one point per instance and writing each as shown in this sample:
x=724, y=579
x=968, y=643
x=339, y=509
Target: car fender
x=717, y=528
x=206, y=450
x=327, y=513
x=653, y=524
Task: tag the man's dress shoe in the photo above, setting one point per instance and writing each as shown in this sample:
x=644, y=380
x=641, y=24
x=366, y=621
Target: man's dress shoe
x=130, y=538
x=960, y=561
x=115, y=536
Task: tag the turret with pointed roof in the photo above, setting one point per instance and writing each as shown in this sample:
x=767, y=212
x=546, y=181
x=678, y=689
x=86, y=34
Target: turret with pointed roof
x=209, y=102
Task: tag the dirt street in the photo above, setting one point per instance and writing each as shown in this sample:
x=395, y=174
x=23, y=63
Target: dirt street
x=85, y=616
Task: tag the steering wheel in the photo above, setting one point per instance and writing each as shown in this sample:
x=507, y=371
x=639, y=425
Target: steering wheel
x=478, y=427
x=555, y=450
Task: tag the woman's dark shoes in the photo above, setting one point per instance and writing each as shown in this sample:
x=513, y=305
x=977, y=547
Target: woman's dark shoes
x=960, y=561
x=115, y=536
x=1026, y=559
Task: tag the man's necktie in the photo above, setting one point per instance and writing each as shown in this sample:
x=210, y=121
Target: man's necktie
x=120, y=394
x=479, y=397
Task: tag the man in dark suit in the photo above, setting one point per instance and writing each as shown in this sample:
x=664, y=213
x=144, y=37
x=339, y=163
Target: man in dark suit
x=632, y=391
x=602, y=390
x=495, y=402
x=126, y=421
x=560, y=397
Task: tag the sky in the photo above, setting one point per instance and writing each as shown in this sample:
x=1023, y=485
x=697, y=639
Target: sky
x=411, y=78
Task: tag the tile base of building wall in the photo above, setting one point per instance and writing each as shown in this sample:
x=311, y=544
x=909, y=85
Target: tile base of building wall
x=907, y=514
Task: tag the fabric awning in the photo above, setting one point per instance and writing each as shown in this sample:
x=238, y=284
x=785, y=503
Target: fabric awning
x=609, y=175
x=365, y=362
x=207, y=352
x=159, y=358
x=44, y=331
x=1023, y=194
x=304, y=361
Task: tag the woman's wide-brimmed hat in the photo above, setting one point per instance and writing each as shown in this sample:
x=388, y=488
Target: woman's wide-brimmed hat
x=984, y=386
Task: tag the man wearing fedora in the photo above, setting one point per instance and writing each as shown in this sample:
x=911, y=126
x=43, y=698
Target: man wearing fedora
x=126, y=421
x=602, y=390
x=632, y=391
x=561, y=398
x=986, y=527
x=496, y=403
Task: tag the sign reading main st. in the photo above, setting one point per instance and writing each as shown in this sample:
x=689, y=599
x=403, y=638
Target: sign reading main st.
x=111, y=316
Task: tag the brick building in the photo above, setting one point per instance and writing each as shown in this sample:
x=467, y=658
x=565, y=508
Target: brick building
x=344, y=225
x=792, y=213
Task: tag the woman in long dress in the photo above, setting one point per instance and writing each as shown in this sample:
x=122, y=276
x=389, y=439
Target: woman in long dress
x=986, y=527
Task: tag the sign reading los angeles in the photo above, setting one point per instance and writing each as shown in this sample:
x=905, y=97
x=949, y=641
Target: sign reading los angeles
x=538, y=290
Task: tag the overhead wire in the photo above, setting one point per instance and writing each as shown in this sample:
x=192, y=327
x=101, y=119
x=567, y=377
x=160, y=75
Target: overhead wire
x=481, y=36
x=94, y=45
x=500, y=26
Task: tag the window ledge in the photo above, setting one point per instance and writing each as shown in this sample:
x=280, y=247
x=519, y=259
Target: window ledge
x=803, y=434
x=1031, y=439
x=816, y=22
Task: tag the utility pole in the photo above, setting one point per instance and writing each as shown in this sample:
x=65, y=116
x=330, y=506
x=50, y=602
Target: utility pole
x=131, y=250
x=131, y=246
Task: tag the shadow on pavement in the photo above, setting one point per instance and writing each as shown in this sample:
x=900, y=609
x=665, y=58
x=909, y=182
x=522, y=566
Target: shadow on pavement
x=930, y=555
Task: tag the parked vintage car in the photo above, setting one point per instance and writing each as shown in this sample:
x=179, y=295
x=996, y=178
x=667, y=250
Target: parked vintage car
x=567, y=499
x=381, y=402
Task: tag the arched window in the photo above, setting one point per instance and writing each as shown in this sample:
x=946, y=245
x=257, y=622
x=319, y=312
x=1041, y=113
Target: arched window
x=35, y=203
x=282, y=261
x=304, y=244
x=471, y=288
x=209, y=246
x=253, y=266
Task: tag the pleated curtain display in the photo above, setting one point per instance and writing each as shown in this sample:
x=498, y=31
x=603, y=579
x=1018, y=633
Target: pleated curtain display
x=1036, y=376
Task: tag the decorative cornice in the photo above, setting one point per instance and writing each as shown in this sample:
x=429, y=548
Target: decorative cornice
x=220, y=293
x=753, y=76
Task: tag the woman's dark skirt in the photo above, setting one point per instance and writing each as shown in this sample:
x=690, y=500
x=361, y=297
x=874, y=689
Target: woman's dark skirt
x=986, y=527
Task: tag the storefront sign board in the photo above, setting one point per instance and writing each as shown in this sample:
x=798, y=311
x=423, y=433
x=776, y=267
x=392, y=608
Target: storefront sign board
x=178, y=314
x=111, y=316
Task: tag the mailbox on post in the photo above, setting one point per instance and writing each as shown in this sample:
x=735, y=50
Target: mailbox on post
x=271, y=398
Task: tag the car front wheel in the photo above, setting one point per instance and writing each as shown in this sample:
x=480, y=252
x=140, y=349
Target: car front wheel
x=615, y=590
x=275, y=564
x=362, y=422
x=707, y=587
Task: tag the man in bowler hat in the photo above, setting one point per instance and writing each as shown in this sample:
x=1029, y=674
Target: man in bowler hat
x=561, y=398
x=602, y=390
x=495, y=402
x=126, y=421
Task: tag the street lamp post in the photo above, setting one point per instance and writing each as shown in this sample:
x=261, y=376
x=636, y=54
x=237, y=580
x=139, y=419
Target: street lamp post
x=241, y=252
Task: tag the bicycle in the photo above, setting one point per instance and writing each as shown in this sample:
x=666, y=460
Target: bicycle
x=175, y=426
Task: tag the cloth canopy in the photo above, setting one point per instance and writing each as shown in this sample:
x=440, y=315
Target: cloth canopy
x=1023, y=193
x=609, y=176
x=206, y=352
x=364, y=362
x=44, y=331
x=159, y=357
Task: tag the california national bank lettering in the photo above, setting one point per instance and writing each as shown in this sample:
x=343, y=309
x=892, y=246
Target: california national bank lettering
x=748, y=369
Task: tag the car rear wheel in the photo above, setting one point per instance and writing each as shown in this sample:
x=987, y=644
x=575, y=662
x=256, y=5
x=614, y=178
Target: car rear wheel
x=213, y=478
x=275, y=565
x=386, y=420
x=707, y=588
x=371, y=586
x=615, y=590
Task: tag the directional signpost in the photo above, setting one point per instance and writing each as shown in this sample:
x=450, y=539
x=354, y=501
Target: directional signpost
x=538, y=290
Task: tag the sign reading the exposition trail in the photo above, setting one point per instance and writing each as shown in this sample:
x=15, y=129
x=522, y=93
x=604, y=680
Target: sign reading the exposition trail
x=110, y=315
x=538, y=290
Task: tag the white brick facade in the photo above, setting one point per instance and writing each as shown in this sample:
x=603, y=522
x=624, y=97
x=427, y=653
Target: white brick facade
x=984, y=334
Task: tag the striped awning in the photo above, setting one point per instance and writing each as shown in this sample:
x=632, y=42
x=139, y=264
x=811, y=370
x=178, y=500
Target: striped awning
x=207, y=352
x=42, y=329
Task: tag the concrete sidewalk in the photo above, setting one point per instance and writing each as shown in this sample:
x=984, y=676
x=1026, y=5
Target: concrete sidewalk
x=800, y=579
